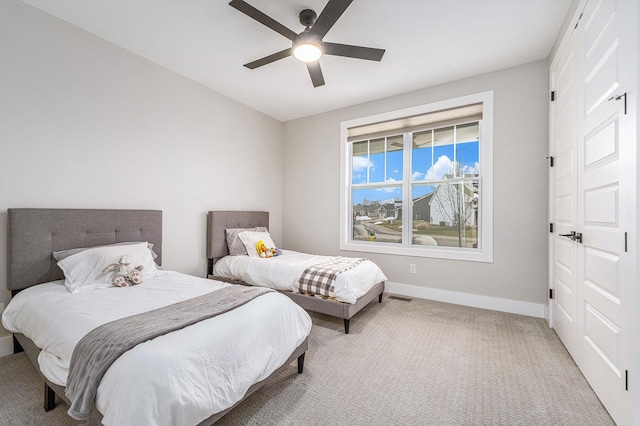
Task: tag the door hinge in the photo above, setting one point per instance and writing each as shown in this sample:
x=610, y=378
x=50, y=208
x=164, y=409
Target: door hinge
x=626, y=380
x=551, y=228
x=550, y=158
x=550, y=293
x=625, y=242
x=553, y=95
x=578, y=21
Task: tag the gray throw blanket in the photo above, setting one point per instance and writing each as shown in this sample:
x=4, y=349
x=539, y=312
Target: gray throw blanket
x=319, y=278
x=96, y=351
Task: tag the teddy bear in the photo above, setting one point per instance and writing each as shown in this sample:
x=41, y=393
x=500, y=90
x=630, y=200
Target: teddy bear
x=126, y=274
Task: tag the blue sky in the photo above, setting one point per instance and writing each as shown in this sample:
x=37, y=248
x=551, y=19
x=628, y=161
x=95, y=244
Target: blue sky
x=428, y=163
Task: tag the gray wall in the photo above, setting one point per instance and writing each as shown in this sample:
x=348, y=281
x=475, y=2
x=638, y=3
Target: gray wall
x=86, y=124
x=519, y=270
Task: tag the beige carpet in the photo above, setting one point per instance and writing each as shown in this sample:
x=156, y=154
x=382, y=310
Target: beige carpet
x=403, y=363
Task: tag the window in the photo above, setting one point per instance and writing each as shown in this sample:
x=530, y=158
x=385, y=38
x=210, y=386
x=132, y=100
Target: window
x=429, y=167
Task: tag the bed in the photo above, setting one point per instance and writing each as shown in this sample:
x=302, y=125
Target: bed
x=267, y=272
x=193, y=375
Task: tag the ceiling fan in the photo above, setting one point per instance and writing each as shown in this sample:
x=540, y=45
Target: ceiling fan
x=308, y=46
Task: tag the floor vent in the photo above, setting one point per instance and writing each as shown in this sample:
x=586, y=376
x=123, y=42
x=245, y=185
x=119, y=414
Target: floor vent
x=403, y=299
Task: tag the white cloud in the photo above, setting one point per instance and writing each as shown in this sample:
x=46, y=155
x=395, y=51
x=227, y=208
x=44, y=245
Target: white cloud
x=418, y=176
x=472, y=169
x=387, y=189
x=443, y=166
x=361, y=163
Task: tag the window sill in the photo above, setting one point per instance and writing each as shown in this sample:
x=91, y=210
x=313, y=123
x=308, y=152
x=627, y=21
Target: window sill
x=449, y=253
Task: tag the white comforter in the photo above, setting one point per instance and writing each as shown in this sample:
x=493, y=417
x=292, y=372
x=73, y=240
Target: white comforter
x=282, y=273
x=180, y=378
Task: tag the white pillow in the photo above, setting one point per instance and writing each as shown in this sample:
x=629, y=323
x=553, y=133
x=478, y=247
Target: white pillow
x=83, y=271
x=234, y=244
x=251, y=238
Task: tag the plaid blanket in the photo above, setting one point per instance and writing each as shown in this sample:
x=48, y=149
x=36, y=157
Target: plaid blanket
x=320, y=278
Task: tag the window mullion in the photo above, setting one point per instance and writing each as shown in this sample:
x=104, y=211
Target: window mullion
x=384, y=176
x=481, y=190
x=433, y=145
x=456, y=171
x=368, y=160
x=407, y=207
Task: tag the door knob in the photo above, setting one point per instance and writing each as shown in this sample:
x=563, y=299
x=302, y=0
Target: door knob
x=575, y=236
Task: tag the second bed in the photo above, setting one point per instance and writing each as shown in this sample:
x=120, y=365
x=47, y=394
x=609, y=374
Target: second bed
x=354, y=283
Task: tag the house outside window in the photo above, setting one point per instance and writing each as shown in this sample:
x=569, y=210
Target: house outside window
x=419, y=181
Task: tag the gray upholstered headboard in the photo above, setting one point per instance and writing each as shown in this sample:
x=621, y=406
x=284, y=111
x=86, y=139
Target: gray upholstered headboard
x=218, y=221
x=34, y=234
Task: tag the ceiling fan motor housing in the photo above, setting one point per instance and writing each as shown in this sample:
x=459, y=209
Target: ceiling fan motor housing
x=307, y=17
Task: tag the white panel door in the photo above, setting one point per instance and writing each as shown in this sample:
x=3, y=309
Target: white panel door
x=606, y=195
x=565, y=125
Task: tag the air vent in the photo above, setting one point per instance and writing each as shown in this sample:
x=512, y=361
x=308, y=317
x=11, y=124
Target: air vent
x=402, y=299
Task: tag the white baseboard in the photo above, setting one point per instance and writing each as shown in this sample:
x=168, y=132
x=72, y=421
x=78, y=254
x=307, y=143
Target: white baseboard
x=6, y=340
x=6, y=345
x=476, y=301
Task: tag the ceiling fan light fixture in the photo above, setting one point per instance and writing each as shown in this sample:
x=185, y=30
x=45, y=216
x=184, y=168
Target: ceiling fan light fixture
x=307, y=52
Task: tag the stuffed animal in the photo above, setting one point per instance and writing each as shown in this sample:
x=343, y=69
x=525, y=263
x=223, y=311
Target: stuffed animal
x=264, y=251
x=126, y=274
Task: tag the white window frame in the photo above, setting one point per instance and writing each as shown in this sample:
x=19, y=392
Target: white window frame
x=484, y=252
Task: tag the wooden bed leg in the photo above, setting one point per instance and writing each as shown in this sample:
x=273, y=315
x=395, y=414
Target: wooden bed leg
x=49, y=398
x=380, y=298
x=346, y=326
x=300, y=363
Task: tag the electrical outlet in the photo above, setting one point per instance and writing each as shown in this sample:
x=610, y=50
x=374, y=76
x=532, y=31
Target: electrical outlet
x=412, y=268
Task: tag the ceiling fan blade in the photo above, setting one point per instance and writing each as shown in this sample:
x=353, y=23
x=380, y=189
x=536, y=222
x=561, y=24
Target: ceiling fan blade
x=359, y=52
x=268, y=59
x=254, y=13
x=329, y=15
x=316, y=73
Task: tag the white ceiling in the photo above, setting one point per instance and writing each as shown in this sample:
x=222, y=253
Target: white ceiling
x=427, y=42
